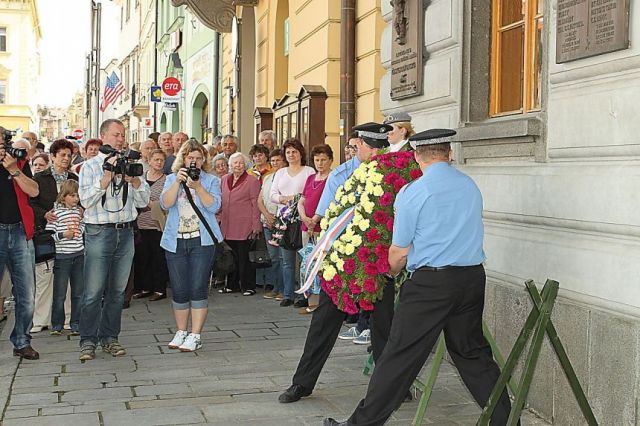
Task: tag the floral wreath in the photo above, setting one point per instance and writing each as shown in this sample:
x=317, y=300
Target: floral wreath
x=352, y=273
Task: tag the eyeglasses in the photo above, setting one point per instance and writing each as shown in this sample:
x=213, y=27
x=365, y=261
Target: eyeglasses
x=351, y=147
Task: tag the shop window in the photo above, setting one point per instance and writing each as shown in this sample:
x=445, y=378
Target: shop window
x=516, y=56
x=3, y=92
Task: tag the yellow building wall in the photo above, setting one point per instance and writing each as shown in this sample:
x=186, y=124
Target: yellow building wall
x=314, y=57
x=227, y=78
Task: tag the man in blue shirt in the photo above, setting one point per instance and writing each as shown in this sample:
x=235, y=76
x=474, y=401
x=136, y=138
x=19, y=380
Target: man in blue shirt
x=437, y=235
x=327, y=318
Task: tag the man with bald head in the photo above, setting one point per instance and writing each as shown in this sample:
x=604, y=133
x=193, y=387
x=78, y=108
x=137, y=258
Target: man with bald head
x=32, y=139
x=17, y=226
x=176, y=142
x=146, y=147
x=165, y=143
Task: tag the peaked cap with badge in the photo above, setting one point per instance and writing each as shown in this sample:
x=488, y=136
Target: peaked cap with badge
x=432, y=137
x=397, y=117
x=374, y=134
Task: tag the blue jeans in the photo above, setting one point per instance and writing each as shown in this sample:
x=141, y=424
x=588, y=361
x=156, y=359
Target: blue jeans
x=107, y=265
x=288, y=271
x=189, y=270
x=17, y=254
x=273, y=274
x=67, y=269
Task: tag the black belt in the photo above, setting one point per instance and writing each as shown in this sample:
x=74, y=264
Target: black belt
x=122, y=225
x=444, y=268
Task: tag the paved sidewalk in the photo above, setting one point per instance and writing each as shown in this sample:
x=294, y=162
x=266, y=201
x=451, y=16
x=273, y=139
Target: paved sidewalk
x=251, y=348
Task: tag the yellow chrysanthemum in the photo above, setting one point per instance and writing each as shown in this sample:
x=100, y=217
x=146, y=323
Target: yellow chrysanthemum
x=349, y=249
x=340, y=265
x=364, y=225
x=378, y=191
x=329, y=272
x=334, y=257
x=344, y=200
x=352, y=198
x=356, y=240
x=348, y=185
x=368, y=208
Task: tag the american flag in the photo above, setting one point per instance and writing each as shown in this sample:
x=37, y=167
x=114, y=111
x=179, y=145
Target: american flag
x=112, y=89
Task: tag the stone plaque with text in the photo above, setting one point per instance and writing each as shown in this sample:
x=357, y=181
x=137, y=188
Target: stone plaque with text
x=406, y=49
x=591, y=27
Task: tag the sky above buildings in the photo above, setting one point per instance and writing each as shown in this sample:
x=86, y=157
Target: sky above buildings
x=65, y=43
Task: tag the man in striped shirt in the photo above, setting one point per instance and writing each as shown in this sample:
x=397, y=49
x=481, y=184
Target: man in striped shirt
x=109, y=218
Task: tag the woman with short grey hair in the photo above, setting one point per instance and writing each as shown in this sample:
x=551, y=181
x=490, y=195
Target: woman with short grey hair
x=220, y=165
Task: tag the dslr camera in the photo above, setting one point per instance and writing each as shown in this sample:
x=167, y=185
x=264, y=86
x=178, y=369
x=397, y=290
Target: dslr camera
x=17, y=153
x=193, y=172
x=123, y=165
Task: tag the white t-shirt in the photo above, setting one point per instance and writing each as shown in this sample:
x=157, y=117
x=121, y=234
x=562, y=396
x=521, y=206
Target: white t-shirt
x=285, y=184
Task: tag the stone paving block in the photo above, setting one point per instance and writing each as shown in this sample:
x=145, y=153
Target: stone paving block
x=183, y=401
x=103, y=364
x=246, y=326
x=106, y=394
x=203, y=388
x=31, y=369
x=20, y=413
x=248, y=410
x=67, y=420
x=171, y=389
x=34, y=398
x=255, y=332
x=153, y=416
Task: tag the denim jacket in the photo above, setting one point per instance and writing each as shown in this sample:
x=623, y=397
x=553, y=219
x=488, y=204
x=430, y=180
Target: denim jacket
x=169, y=239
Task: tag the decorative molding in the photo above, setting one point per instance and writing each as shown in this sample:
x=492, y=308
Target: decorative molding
x=215, y=14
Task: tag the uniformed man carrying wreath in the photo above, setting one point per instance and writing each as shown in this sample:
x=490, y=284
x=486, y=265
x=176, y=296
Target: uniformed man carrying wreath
x=327, y=318
x=437, y=235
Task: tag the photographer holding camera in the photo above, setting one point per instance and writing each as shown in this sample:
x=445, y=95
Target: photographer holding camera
x=110, y=192
x=16, y=231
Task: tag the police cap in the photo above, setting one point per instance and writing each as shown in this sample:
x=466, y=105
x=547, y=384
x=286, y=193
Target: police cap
x=374, y=134
x=398, y=117
x=431, y=137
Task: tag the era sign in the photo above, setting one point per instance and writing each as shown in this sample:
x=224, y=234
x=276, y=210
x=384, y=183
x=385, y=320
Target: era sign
x=171, y=88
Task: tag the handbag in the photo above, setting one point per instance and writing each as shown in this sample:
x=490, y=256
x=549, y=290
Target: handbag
x=44, y=245
x=304, y=254
x=292, y=238
x=223, y=261
x=258, y=255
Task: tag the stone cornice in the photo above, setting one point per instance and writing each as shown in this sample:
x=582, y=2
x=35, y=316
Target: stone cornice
x=215, y=14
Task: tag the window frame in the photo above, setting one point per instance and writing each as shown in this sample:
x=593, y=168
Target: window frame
x=3, y=36
x=4, y=84
x=530, y=20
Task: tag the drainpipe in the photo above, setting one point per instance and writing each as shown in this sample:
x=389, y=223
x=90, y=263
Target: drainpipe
x=215, y=105
x=347, y=70
x=155, y=66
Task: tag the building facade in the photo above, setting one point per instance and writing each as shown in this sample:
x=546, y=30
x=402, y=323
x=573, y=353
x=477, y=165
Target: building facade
x=53, y=123
x=19, y=64
x=554, y=146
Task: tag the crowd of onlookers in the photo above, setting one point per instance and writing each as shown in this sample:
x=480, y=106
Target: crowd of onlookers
x=174, y=219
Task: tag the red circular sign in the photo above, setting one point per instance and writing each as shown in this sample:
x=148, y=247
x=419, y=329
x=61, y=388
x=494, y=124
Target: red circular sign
x=78, y=133
x=171, y=86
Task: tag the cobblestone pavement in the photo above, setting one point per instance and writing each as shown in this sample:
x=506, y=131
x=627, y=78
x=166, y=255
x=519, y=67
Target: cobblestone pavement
x=251, y=348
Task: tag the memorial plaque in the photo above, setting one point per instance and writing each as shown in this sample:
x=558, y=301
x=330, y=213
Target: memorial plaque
x=591, y=27
x=406, y=49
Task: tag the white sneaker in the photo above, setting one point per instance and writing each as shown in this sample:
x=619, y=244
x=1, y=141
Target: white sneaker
x=364, y=338
x=350, y=334
x=178, y=339
x=191, y=343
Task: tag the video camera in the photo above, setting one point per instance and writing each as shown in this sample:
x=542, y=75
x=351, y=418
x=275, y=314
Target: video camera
x=123, y=165
x=17, y=153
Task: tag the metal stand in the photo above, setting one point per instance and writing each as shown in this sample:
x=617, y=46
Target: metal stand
x=538, y=323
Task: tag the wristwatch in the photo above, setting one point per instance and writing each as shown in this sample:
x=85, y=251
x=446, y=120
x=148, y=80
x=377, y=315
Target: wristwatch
x=16, y=173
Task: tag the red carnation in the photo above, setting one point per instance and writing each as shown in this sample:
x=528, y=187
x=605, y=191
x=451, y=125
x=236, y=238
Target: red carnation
x=349, y=305
x=369, y=285
x=380, y=217
x=354, y=287
x=399, y=183
x=337, y=281
x=363, y=255
x=386, y=199
x=371, y=269
x=365, y=304
x=390, y=225
x=401, y=162
x=390, y=178
x=372, y=235
x=381, y=251
x=415, y=173
x=349, y=266
x=384, y=162
x=383, y=265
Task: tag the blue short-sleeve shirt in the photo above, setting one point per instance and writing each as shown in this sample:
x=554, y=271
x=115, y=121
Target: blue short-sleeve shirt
x=440, y=217
x=337, y=177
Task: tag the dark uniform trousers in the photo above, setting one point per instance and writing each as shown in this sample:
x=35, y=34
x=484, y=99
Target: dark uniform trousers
x=430, y=302
x=324, y=329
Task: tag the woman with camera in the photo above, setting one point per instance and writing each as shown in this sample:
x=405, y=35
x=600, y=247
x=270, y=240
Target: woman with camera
x=191, y=195
x=240, y=220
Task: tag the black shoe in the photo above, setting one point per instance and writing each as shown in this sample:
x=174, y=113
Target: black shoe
x=301, y=303
x=286, y=302
x=27, y=353
x=294, y=393
x=332, y=422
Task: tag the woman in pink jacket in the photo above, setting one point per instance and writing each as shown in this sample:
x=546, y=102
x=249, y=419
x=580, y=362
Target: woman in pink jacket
x=240, y=222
